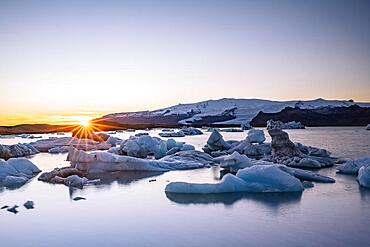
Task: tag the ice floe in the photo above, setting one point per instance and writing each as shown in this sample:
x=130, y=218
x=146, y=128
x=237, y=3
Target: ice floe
x=144, y=146
x=363, y=177
x=258, y=178
x=62, y=143
x=16, y=171
x=17, y=150
x=271, y=124
x=84, y=164
x=256, y=136
x=353, y=166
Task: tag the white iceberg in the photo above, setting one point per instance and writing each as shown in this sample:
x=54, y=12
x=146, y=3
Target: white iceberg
x=368, y=127
x=258, y=178
x=363, y=177
x=108, y=162
x=143, y=146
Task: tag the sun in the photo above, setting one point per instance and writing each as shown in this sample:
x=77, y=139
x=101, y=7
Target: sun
x=83, y=120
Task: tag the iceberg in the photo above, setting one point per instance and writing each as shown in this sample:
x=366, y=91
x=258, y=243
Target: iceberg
x=258, y=178
x=17, y=150
x=85, y=164
x=271, y=124
x=85, y=144
x=363, y=177
x=368, y=127
x=190, y=131
x=256, y=136
x=216, y=142
x=179, y=133
x=353, y=166
x=16, y=171
x=234, y=162
x=58, y=150
x=246, y=126
x=143, y=146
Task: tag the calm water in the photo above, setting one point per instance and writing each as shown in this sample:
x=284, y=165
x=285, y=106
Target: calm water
x=131, y=211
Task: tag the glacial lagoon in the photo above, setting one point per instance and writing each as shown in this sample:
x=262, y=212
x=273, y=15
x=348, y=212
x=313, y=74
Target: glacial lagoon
x=132, y=208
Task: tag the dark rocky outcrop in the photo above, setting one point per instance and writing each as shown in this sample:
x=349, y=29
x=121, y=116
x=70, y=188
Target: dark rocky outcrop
x=325, y=116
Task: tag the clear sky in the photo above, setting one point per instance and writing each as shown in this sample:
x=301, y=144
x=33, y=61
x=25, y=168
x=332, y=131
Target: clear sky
x=61, y=59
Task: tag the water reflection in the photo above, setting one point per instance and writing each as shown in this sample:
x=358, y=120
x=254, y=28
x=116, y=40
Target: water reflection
x=272, y=200
x=122, y=178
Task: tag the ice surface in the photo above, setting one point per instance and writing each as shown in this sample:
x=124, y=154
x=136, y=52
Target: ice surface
x=258, y=178
x=353, y=166
x=363, y=177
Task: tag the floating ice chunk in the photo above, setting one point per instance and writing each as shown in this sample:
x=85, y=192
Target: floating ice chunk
x=246, y=126
x=179, y=133
x=114, y=140
x=24, y=166
x=258, y=178
x=216, y=142
x=256, y=136
x=191, y=131
x=29, y=204
x=75, y=181
x=307, y=175
x=17, y=150
x=231, y=130
x=85, y=144
x=190, y=156
x=107, y=162
x=363, y=177
x=14, y=182
x=16, y=171
x=271, y=124
x=58, y=150
x=234, y=162
x=306, y=163
x=353, y=166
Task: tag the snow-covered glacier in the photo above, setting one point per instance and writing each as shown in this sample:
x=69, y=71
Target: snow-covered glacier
x=226, y=111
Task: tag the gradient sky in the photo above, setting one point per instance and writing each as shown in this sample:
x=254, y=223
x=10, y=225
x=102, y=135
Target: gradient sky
x=61, y=59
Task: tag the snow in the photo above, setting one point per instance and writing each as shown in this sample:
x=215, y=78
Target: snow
x=241, y=110
x=267, y=178
x=363, y=177
x=353, y=166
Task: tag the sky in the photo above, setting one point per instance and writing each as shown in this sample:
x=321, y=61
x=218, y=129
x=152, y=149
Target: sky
x=63, y=59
